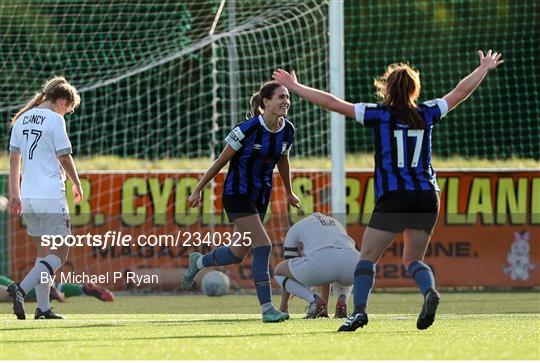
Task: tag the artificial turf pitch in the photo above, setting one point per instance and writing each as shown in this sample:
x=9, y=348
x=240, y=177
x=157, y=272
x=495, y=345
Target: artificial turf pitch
x=498, y=325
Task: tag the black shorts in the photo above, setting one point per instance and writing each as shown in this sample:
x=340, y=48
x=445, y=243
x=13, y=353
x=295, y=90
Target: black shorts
x=238, y=206
x=398, y=210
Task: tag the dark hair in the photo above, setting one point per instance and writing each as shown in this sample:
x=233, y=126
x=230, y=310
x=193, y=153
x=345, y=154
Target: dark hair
x=256, y=101
x=399, y=88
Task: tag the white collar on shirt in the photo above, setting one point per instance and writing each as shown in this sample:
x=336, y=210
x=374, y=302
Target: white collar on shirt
x=261, y=120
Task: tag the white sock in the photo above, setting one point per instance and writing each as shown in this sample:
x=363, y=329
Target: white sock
x=267, y=306
x=41, y=272
x=42, y=294
x=199, y=262
x=295, y=288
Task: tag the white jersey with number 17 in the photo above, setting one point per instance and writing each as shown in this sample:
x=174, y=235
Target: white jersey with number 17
x=40, y=136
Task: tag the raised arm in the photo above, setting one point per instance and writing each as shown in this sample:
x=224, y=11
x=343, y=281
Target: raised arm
x=468, y=84
x=313, y=95
x=226, y=155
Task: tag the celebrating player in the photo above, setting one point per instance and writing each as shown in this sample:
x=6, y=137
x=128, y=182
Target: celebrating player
x=39, y=137
x=328, y=255
x=253, y=148
x=407, y=195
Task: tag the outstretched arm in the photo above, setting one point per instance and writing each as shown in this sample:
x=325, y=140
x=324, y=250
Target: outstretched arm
x=226, y=155
x=313, y=95
x=468, y=84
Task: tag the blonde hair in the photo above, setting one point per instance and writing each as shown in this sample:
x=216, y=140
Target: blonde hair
x=53, y=89
x=399, y=88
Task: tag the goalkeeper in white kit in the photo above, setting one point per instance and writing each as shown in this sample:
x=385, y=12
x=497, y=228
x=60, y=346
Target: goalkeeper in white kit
x=317, y=251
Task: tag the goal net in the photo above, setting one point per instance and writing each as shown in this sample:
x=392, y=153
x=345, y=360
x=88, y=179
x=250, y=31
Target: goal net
x=161, y=81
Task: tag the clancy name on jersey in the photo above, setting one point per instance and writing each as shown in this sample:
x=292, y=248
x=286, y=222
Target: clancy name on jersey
x=40, y=136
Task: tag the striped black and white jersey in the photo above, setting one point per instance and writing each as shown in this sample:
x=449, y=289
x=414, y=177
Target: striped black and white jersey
x=258, y=150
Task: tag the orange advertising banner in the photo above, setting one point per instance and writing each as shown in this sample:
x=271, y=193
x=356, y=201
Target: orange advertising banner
x=487, y=234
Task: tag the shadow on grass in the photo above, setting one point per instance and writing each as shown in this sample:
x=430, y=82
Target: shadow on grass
x=212, y=321
x=180, y=337
x=63, y=327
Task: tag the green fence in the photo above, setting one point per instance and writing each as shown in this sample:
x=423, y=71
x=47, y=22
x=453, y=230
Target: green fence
x=155, y=84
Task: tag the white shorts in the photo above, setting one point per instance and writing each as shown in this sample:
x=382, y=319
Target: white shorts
x=46, y=217
x=325, y=266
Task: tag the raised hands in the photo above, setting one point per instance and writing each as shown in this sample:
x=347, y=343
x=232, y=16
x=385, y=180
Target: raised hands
x=491, y=60
x=288, y=80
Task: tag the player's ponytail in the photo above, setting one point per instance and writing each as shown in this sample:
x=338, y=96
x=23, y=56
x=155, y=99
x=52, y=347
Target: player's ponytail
x=36, y=100
x=54, y=89
x=256, y=101
x=255, y=105
x=398, y=88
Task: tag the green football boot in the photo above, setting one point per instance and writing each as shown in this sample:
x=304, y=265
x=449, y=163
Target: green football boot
x=192, y=271
x=274, y=316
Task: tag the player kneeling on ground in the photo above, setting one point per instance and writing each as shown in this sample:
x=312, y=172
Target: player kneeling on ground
x=343, y=294
x=328, y=256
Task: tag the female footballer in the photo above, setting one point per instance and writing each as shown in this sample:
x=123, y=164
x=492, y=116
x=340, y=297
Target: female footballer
x=39, y=138
x=406, y=191
x=253, y=149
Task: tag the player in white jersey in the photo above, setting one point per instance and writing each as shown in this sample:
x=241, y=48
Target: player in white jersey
x=39, y=138
x=318, y=251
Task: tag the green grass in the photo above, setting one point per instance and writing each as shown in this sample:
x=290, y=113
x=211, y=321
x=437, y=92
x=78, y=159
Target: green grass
x=469, y=326
x=352, y=161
